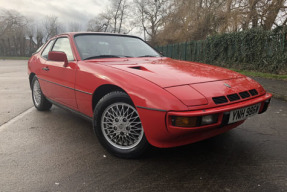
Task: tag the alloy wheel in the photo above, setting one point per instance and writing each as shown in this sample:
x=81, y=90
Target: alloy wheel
x=121, y=126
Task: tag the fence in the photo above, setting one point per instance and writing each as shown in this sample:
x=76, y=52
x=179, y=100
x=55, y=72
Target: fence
x=258, y=50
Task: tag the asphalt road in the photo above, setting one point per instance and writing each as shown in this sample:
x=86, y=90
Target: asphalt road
x=57, y=151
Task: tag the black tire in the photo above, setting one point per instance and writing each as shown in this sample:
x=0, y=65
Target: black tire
x=39, y=100
x=118, y=134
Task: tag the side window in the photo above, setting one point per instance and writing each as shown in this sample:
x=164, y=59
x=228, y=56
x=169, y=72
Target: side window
x=63, y=44
x=47, y=49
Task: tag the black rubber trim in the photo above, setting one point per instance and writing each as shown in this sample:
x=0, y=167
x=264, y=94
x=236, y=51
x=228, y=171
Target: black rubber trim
x=66, y=86
x=225, y=119
x=265, y=107
x=71, y=110
x=151, y=109
x=83, y=92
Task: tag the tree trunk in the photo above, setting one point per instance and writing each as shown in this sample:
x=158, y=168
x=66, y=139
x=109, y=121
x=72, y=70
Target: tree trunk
x=30, y=45
x=272, y=13
x=9, y=48
x=251, y=16
x=24, y=47
x=4, y=47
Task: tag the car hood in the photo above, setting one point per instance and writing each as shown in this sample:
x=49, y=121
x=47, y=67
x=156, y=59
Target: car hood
x=167, y=72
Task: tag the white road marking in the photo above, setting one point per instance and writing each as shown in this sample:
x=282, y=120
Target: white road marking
x=13, y=120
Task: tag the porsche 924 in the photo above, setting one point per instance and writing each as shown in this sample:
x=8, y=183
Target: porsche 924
x=137, y=98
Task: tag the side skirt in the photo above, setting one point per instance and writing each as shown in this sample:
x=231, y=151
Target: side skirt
x=71, y=110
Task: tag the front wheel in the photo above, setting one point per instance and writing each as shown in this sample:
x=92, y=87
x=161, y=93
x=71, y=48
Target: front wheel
x=39, y=100
x=118, y=126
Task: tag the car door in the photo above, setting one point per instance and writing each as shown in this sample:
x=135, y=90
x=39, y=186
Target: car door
x=40, y=69
x=60, y=80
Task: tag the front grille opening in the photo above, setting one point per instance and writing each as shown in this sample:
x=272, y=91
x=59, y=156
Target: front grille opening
x=244, y=94
x=219, y=100
x=233, y=97
x=253, y=92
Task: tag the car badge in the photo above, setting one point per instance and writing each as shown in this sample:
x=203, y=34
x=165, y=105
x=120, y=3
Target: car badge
x=227, y=85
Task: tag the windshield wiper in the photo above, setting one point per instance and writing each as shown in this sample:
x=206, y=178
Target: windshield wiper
x=148, y=56
x=102, y=56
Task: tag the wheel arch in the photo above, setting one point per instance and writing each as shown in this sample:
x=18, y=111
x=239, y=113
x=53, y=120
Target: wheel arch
x=102, y=91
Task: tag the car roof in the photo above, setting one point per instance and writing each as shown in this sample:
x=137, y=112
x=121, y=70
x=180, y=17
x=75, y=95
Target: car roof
x=72, y=34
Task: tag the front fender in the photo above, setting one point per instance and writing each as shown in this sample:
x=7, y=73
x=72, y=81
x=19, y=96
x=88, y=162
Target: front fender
x=143, y=93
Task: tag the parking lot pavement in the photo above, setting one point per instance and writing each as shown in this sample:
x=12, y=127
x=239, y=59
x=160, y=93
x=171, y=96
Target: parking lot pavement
x=15, y=95
x=57, y=151
x=277, y=87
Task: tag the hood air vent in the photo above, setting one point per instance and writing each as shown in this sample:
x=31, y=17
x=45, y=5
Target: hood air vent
x=220, y=100
x=244, y=94
x=234, y=97
x=139, y=68
x=136, y=67
x=253, y=92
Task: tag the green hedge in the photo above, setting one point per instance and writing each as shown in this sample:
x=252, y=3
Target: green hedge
x=255, y=49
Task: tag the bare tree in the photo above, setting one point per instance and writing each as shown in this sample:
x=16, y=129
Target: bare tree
x=74, y=27
x=11, y=19
x=39, y=35
x=100, y=23
x=51, y=27
x=201, y=18
x=272, y=11
x=114, y=19
x=13, y=28
x=118, y=14
x=151, y=15
x=160, y=21
x=192, y=21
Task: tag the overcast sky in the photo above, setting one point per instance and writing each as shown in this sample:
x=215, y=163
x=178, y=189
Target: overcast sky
x=67, y=10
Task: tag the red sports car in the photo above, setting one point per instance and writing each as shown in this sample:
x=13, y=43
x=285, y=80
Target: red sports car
x=135, y=97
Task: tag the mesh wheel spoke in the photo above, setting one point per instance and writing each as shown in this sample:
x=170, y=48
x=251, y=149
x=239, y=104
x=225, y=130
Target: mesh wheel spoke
x=121, y=125
x=37, y=92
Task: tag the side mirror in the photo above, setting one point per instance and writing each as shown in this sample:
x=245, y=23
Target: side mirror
x=58, y=56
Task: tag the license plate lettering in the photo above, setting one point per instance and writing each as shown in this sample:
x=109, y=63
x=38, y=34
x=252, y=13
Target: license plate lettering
x=251, y=110
x=238, y=114
x=243, y=113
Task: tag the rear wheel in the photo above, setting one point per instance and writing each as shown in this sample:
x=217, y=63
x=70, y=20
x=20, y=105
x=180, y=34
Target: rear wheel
x=39, y=100
x=118, y=126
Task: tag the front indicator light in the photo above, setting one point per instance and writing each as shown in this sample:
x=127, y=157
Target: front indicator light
x=198, y=121
x=184, y=121
x=209, y=119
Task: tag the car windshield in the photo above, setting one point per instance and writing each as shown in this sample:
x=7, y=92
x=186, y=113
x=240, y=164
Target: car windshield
x=112, y=46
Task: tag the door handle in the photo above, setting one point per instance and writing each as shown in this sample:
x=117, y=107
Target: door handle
x=45, y=68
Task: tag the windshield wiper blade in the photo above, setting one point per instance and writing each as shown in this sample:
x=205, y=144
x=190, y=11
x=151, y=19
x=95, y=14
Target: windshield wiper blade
x=148, y=56
x=102, y=56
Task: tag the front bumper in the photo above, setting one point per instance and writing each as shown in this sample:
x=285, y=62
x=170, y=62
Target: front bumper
x=222, y=111
x=161, y=133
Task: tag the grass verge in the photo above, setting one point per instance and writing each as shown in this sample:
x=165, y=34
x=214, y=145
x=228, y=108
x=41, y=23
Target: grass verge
x=259, y=74
x=14, y=58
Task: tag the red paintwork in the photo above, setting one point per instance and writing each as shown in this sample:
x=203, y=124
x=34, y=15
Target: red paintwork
x=58, y=56
x=167, y=72
x=177, y=87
